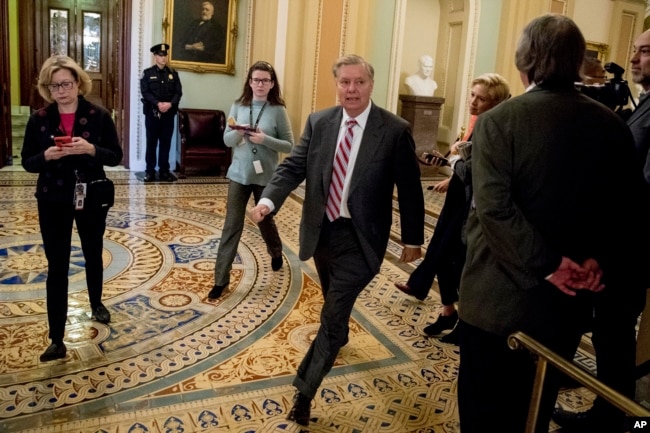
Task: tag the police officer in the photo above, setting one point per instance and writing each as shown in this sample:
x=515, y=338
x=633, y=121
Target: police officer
x=161, y=92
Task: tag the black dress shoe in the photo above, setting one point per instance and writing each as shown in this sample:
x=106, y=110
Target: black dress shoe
x=300, y=410
x=216, y=291
x=276, y=263
x=166, y=176
x=101, y=314
x=54, y=351
x=404, y=288
x=452, y=337
x=150, y=177
x=441, y=324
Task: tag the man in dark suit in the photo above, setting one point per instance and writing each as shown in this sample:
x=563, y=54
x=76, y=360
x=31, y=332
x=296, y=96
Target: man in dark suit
x=639, y=121
x=345, y=226
x=204, y=40
x=541, y=243
x=615, y=316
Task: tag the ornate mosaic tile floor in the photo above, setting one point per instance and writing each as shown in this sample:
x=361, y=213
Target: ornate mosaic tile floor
x=172, y=361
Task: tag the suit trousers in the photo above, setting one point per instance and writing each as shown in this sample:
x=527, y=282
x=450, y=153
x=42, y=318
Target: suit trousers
x=445, y=254
x=495, y=383
x=616, y=313
x=238, y=196
x=159, y=130
x=55, y=220
x=343, y=272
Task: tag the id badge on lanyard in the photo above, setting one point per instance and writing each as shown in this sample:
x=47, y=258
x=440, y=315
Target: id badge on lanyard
x=79, y=193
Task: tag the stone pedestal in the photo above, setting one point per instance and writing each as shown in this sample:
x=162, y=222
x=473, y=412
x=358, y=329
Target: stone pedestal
x=423, y=112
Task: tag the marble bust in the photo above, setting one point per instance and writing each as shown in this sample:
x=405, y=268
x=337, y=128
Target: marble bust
x=421, y=84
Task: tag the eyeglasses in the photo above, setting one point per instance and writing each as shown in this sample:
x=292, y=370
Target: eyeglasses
x=258, y=81
x=65, y=85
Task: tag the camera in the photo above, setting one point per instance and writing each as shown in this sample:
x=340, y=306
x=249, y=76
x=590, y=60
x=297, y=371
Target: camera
x=615, y=93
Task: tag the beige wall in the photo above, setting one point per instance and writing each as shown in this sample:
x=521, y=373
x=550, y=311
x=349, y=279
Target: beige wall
x=420, y=37
x=318, y=31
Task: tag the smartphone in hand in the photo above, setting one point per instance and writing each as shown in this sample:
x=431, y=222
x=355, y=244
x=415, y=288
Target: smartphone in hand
x=60, y=141
x=434, y=158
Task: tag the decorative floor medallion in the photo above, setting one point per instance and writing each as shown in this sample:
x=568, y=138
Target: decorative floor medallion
x=171, y=360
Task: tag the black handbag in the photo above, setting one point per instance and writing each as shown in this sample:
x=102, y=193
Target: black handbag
x=100, y=193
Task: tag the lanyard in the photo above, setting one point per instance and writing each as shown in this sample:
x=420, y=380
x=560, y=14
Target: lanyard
x=250, y=119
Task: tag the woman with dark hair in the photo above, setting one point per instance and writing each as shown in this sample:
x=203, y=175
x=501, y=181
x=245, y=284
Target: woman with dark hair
x=67, y=143
x=258, y=130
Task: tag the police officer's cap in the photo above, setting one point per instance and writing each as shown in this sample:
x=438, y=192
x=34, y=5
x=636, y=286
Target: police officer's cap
x=160, y=49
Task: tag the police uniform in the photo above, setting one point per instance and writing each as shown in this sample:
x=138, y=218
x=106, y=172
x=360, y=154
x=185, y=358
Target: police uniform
x=159, y=85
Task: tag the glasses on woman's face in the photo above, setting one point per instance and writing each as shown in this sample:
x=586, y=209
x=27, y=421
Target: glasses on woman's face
x=263, y=81
x=65, y=85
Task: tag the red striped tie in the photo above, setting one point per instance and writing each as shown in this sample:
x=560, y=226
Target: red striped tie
x=339, y=171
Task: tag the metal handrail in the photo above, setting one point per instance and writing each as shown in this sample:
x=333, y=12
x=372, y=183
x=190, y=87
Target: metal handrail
x=546, y=356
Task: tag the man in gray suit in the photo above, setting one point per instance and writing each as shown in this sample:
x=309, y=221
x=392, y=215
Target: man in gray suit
x=548, y=229
x=345, y=226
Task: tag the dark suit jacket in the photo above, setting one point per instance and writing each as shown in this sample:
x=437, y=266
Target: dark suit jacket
x=541, y=165
x=213, y=38
x=639, y=123
x=386, y=159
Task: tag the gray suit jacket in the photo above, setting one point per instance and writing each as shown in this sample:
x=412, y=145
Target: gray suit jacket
x=386, y=159
x=639, y=123
x=542, y=190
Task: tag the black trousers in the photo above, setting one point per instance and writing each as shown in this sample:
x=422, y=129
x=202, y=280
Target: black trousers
x=343, y=272
x=614, y=338
x=159, y=130
x=495, y=383
x=445, y=254
x=55, y=220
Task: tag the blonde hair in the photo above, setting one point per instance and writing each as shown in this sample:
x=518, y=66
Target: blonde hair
x=55, y=64
x=497, y=86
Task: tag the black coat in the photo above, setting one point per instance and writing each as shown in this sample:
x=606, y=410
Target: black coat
x=57, y=179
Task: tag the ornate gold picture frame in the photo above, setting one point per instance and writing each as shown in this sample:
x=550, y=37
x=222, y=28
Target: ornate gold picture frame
x=201, y=34
x=597, y=50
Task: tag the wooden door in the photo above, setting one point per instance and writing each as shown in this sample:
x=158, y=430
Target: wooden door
x=5, y=100
x=96, y=33
x=83, y=30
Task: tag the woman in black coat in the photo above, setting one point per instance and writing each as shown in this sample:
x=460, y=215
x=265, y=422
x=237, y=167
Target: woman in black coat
x=67, y=143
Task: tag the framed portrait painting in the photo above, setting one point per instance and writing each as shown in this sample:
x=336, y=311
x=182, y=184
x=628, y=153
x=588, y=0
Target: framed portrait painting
x=201, y=34
x=597, y=50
